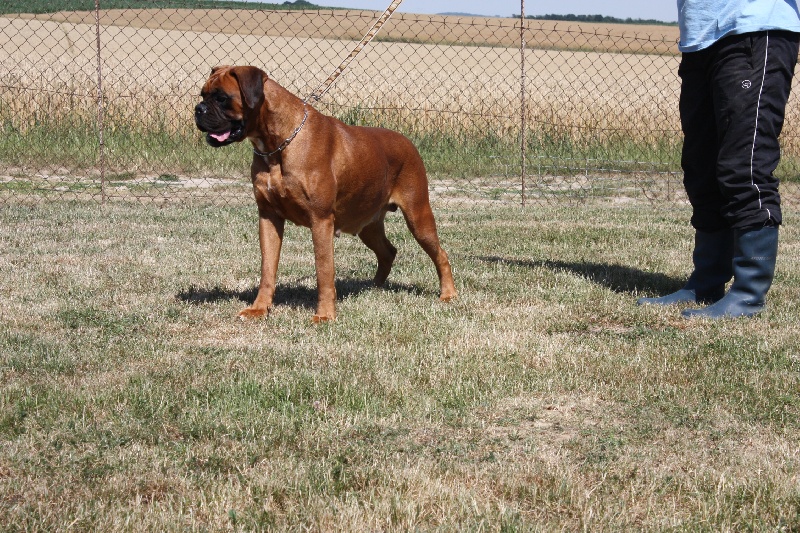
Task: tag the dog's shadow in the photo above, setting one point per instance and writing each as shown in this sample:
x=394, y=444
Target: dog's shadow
x=289, y=295
x=617, y=278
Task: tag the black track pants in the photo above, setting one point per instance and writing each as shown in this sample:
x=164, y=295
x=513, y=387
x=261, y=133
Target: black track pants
x=732, y=104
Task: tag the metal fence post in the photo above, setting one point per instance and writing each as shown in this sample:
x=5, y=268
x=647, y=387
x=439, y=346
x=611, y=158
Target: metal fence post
x=522, y=97
x=100, y=104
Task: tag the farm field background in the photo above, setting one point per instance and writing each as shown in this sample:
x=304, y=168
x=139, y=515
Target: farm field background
x=600, y=100
x=459, y=99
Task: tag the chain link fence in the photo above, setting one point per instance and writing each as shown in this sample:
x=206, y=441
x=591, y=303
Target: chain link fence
x=97, y=102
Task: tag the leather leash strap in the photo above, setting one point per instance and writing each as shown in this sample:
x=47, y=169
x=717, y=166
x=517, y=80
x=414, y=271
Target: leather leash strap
x=373, y=31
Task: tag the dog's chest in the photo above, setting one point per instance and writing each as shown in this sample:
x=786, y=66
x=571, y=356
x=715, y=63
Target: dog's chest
x=269, y=187
x=272, y=191
x=270, y=182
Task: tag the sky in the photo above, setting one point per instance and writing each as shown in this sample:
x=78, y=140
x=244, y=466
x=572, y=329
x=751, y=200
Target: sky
x=664, y=10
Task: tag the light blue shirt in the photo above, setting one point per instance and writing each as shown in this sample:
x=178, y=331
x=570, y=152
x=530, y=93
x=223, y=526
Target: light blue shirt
x=704, y=22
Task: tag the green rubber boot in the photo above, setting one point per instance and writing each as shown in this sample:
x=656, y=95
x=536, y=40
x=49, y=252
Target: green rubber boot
x=754, y=257
x=712, y=256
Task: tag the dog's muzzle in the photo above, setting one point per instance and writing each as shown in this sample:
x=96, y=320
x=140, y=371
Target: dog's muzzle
x=219, y=130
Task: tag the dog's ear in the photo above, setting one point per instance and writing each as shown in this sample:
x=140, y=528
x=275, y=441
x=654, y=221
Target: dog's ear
x=217, y=68
x=251, y=84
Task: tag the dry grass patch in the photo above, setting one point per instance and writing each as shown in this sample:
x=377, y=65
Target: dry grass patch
x=543, y=398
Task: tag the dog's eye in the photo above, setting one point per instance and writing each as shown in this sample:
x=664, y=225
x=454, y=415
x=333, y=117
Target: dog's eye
x=221, y=98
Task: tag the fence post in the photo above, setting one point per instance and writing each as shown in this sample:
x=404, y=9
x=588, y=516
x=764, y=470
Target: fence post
x=522, y=97
x=100, y=104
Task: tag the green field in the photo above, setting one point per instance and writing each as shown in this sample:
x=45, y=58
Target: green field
x=541, y=399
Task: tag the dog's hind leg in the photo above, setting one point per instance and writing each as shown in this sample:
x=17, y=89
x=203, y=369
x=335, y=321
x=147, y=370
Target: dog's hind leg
x=374, y=236
x=422, y=225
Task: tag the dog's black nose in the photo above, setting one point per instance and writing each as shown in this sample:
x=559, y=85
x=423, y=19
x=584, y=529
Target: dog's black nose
x=200, y=110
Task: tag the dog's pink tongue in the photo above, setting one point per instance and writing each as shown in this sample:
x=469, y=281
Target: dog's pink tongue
x=221, y=136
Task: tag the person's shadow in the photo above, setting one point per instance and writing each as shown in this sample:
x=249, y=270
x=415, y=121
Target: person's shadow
x=618, y=278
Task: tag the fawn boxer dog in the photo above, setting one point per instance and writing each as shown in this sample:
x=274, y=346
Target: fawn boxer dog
x=318, y=172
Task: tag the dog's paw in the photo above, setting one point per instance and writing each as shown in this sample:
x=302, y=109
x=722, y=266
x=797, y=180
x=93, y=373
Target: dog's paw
x=318, y=319
x=250, y=313
x=448, y=297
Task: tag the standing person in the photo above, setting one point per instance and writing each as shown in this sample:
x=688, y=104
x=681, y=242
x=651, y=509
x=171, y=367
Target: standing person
x=736, y=73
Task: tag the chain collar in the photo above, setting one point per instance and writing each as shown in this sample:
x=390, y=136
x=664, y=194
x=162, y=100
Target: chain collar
x=285, y=143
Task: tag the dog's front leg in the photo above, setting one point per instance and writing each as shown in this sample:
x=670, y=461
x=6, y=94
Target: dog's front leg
x=270, y=237
x=322, y=231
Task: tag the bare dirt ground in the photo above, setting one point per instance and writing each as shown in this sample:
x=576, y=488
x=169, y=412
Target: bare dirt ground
x=571, y=69
x=352, y=24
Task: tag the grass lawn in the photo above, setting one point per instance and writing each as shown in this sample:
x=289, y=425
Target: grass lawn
x=542, y=398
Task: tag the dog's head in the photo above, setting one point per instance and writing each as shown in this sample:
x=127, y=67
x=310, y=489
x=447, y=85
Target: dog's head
x=231, y=99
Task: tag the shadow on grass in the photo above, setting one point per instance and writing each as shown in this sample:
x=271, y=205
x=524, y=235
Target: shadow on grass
x=618, y=278
x=291, y=296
